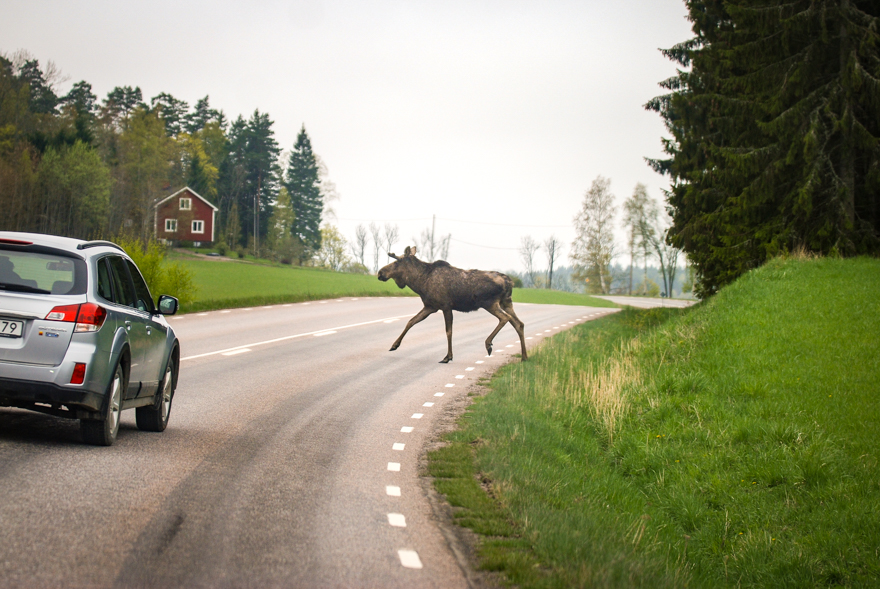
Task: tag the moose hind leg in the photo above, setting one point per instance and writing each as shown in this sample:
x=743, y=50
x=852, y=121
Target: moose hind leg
x=447, y=317
x=420, y=316
x=518, y=325
x=503, y=319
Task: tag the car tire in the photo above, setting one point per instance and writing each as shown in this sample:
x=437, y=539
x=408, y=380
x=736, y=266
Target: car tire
x=102, y=432
x=154, y=418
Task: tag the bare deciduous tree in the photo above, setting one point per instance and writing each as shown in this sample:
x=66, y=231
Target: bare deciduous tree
x=376, y=232
x=654, y=230
x=359, y=245
x=553, y=247
x=392, y=234
x=527, y=249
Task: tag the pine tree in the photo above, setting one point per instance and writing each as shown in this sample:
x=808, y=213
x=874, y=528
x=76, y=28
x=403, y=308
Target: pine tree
x=304, y=185
x=776, y=133
x=250, y=175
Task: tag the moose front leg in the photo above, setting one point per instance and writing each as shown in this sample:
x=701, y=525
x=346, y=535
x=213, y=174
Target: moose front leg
x=420, y=316
x=447, y=317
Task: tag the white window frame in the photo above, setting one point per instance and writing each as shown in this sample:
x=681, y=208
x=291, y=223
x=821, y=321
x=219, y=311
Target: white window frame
x=185, y=204
x=170, y=225
x=198, y=226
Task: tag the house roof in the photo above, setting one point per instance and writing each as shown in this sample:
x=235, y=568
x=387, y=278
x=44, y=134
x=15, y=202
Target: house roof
x=191, y=191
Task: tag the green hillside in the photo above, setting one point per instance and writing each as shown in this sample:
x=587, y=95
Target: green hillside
x=731, y=444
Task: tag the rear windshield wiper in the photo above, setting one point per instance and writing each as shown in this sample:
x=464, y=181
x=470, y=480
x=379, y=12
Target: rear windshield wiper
x=23, y=288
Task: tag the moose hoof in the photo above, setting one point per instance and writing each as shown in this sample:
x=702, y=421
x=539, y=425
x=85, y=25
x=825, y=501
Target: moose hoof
x=446, y=360
x=394, y=347
x=489, y=349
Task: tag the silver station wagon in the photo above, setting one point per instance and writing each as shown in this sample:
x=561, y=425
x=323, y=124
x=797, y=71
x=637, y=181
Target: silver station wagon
x=80, y=335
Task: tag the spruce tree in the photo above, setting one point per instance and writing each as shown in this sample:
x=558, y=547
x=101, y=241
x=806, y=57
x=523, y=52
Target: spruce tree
x=304, y=185
x=775, y=133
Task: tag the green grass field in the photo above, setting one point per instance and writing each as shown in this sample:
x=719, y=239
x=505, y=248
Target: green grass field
x=224, y=283
x=733, y=444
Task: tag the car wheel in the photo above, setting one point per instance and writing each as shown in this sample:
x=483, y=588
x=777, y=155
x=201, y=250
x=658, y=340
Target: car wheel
x=102, y=432
x=154, y=418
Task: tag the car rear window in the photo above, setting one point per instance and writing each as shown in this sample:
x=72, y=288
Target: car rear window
x=51, y=273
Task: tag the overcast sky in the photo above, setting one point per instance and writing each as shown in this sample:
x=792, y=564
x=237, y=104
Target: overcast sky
x=495, y=116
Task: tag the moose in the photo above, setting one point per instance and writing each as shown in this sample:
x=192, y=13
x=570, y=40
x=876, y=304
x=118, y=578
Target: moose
x=443, y=287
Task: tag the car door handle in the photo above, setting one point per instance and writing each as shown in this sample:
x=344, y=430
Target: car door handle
x=128, y=325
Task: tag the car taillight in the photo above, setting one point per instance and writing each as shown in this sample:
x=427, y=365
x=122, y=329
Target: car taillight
x=79, y=373
x=88, y=316
x=63, y=313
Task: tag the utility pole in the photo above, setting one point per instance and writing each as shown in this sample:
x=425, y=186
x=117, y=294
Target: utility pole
x=433, y=224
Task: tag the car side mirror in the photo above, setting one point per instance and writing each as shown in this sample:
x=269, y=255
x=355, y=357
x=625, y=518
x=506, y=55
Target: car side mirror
x=168, y=305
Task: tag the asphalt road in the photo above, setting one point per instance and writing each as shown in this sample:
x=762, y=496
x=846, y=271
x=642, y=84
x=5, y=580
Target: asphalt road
x=291, y=458
x=648, y=302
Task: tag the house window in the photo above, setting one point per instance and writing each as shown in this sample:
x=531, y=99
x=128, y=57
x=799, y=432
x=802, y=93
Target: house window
x=198, y=227
x=185, y=204
x=170, y=225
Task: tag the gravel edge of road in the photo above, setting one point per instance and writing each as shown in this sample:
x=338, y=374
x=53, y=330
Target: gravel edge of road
x=461, y=541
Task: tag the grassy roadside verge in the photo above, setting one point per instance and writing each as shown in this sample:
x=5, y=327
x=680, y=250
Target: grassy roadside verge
x=732, y=444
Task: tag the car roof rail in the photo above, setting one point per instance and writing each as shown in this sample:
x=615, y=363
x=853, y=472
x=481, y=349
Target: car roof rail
x=98, y=243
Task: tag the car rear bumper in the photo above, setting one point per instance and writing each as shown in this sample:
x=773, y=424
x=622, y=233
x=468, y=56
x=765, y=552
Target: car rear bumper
x=25, y=393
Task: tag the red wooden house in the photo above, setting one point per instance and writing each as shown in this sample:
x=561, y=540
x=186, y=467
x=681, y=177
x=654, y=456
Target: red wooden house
x=185, y=216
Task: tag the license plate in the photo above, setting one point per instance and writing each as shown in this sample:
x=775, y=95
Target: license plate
x=11, y=328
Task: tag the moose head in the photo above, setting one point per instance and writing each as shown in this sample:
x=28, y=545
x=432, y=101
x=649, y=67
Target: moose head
x=401, y=268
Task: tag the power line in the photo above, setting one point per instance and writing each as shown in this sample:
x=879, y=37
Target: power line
x=506, y=224
x=491, y=247
x=455, y=221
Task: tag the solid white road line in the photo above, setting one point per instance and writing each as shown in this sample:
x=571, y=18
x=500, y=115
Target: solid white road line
x=238, y=351
x=287, y=337
x=409, y=559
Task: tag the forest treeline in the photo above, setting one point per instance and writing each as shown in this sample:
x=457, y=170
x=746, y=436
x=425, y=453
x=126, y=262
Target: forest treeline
x=78, y=166
x=775, y=123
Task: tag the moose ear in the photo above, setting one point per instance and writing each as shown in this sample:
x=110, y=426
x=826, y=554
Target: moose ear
x=413, y=251
x=407, y=251
x=390, y=255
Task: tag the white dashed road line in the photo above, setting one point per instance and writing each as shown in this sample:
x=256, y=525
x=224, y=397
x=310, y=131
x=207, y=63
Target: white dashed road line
x=409, y=559
x=394, y=466
x=397, y=520
x=392, y=491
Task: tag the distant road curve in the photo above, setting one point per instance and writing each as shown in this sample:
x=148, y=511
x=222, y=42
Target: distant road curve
x=648, y=303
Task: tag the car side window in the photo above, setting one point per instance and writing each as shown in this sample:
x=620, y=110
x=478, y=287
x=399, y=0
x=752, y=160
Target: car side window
x=105, y=282
x=143, y=301
x=122, y=288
